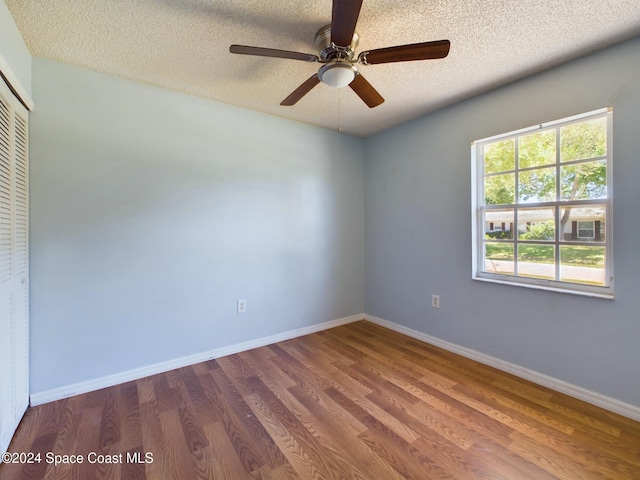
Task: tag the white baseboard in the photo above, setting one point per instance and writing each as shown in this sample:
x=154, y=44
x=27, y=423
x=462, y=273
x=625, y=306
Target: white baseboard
x=608, y=403
x=137, y=373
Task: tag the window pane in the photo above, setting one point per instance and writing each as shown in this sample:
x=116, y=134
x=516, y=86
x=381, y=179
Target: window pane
x=500, y=156
x=584, y=181
x=583, y=140
x=582, y=264
x=537, y=149
x=536, y=224
x=498, y=224
x=537, y=185
x=577, y=222
x=500, y=189
x=536, y=261
x=586, y=229
x=498, y=258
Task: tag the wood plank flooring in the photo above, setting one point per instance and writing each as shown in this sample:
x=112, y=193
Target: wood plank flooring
x=354, y=402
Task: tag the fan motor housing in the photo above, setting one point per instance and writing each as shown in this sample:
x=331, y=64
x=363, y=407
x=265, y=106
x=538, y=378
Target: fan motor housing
x=330, y=51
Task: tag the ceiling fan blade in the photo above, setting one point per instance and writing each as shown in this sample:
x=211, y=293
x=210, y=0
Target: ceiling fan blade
x=272, y=52
x=366, y=92
x=301, y=91
x=407, y=53
x=343, y=21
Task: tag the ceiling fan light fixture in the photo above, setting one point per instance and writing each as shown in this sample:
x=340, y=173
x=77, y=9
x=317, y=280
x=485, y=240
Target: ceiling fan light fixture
x=336, y=43
x=337, y=74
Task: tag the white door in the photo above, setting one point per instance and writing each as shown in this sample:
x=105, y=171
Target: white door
x=21, y=248
x=14, y=266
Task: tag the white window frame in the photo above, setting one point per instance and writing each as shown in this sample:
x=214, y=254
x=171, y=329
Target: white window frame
x=478, y=209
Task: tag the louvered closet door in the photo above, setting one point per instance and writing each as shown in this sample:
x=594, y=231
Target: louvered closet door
x=21, y=263
x=14, y=268
x=6, y=274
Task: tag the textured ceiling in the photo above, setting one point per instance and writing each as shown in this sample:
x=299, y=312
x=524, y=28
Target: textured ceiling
x=184, y=45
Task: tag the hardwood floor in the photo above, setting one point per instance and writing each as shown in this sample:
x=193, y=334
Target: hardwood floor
x=354, y=402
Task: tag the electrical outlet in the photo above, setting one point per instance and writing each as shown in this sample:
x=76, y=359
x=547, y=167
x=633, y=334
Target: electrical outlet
x=435, y=301
x=242, y=306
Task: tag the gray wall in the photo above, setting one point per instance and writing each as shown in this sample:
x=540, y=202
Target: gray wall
x=418, y=231
x=13, y=48
x=152, y=212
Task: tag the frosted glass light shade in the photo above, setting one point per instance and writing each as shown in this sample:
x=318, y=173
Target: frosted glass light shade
x=337, y=74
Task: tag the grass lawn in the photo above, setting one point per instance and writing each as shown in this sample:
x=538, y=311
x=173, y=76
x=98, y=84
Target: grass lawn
x=570, y=255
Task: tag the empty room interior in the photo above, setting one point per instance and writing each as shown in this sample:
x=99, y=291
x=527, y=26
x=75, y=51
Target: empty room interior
x=353, y=239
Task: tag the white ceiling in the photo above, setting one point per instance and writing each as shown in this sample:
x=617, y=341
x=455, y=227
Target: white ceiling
x=184, y=45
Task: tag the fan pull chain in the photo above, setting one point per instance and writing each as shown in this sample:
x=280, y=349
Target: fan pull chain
x=339, y=111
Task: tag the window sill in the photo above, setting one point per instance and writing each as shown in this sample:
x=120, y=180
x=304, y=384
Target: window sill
x=583, y=293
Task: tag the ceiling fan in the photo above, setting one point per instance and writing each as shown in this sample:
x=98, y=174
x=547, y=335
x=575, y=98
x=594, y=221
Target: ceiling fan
x=337, y=43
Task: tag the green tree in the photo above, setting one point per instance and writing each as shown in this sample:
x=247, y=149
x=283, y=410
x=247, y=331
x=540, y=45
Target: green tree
x=500, y=157
x=583, y=140
x=537, y=149
x=537, y=185
x=584, y=180
x=500, y=189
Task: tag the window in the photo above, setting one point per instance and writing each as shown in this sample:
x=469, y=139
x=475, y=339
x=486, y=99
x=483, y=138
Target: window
x=586, y=229
x=549, y=187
